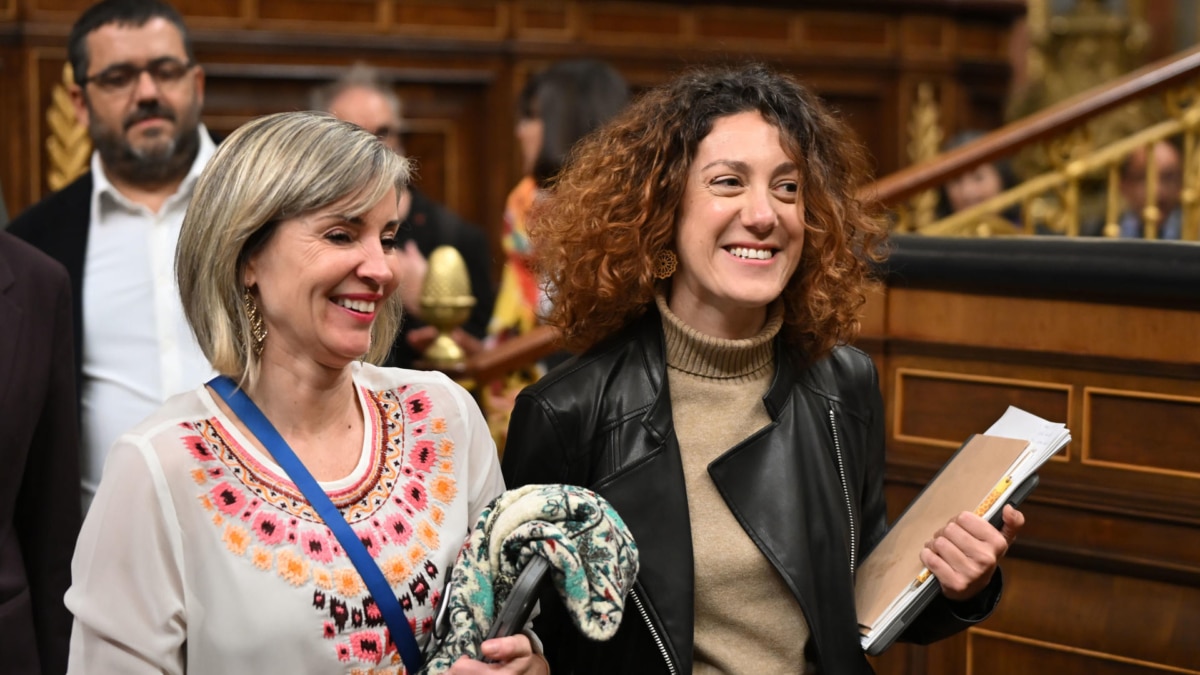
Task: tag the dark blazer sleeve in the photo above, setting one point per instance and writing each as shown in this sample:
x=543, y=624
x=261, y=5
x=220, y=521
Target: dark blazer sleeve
x=535, y=452
x=49, y=511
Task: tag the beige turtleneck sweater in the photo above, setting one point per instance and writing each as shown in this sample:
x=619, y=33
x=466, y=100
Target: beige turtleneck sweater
x=747, y=621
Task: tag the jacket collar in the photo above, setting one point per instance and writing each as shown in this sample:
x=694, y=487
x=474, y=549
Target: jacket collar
x=790, y=468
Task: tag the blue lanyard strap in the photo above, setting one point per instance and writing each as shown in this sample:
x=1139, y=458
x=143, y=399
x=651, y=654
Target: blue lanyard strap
x=385, y=598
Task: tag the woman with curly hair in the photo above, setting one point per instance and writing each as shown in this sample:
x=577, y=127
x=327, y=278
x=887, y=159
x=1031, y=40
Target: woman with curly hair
x=707, y=254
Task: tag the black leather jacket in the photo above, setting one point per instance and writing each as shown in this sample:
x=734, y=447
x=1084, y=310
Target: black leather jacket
x=807, y=489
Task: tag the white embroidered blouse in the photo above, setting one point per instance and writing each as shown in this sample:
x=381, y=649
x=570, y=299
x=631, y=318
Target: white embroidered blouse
x=200, y=556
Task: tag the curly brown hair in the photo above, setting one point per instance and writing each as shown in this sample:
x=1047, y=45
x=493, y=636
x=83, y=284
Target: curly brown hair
x=613, y=208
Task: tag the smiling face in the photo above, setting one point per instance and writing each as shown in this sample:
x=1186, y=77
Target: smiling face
x=321, y=279
x=740, y=229
x=144, y=129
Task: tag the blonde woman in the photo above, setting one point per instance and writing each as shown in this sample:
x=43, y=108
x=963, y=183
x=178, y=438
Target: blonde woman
x=206, y=550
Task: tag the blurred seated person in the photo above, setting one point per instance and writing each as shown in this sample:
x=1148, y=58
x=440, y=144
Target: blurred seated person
x=1131, y=222
x=361, y=96
x=977, y=185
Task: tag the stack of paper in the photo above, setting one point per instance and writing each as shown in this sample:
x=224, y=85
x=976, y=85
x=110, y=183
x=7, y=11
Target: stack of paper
x=987, y=472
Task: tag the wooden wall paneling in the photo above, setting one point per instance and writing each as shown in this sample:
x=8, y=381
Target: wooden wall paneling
x=54, y=10
x=630, y=24
x=546, y=20
x=941, y=408
x=1142, y=431
x=848, y=33
x=978, y=40
x=1091, y=621
x=865, y=102
x=1064, y=532
x=994, y=653
x=324, y=16
x=461, y=19
x=926, y=38
x=1054, y=326
x=449, y=141
x=745, y=30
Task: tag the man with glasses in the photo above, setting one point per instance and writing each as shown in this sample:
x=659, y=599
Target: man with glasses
x=360, y=96
x=139, y=92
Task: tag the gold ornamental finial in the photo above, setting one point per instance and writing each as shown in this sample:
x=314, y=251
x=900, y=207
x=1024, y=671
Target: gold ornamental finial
x=446, y=302
x=68, y=145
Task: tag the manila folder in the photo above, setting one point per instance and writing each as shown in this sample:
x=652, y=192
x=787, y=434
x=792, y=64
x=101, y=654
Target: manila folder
x=961, y=485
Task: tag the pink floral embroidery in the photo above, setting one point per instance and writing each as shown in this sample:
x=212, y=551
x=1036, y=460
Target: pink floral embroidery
x=268, y=528
x=414, y=494
x=423, y=455
x=228, y=498
x=417, y=407
x=198, y=447
x=367, y=646
x=370, y=541
x=316, y=546
x=398, y=529
x=397, y=510
x=374, y=616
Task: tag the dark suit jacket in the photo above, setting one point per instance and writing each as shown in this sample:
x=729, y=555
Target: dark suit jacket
x=431, y=225
x=39, y=449
x=58, y=225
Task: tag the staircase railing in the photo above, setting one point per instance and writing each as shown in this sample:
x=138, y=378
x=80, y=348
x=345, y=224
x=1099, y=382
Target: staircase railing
x=1050, y=201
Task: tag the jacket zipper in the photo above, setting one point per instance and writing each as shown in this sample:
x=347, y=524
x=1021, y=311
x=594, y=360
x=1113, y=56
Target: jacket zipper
x=658, y=641
x=837, y=446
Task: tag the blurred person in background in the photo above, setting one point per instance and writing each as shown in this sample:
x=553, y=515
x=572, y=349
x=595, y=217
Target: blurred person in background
x=557, y=107
x=139, y=92
x=361, y=96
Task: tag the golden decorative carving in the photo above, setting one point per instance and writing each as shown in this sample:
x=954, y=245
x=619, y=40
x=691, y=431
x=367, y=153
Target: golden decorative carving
x=1061, y=198
x=1070, y=53
x=446, y=303
x=924, y=140
x=1183, y=104
x=68, y=145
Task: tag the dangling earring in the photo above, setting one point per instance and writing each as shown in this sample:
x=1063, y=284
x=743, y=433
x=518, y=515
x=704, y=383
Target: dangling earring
x=258, y=331
x=665, y=264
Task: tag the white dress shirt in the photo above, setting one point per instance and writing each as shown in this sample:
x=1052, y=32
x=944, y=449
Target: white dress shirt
x=137, y=347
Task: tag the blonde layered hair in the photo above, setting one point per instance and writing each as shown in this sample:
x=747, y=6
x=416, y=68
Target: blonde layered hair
x=269, y=170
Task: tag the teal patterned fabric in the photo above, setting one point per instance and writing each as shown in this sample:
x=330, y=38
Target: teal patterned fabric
x=593, y=563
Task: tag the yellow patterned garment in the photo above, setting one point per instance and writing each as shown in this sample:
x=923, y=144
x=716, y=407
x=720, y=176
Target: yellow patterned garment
x=516, y=309
x=197, y=538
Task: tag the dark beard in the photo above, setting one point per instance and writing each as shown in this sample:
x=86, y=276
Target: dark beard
x=159, y=165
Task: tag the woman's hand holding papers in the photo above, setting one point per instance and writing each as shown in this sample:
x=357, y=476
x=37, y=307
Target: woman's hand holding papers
x=964, y=554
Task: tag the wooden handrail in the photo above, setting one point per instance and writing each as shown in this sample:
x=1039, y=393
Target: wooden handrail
x=513, y=354
x=1047, y=123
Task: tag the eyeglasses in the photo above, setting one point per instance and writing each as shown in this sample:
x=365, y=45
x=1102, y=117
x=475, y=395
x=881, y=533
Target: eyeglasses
x=164, y=71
